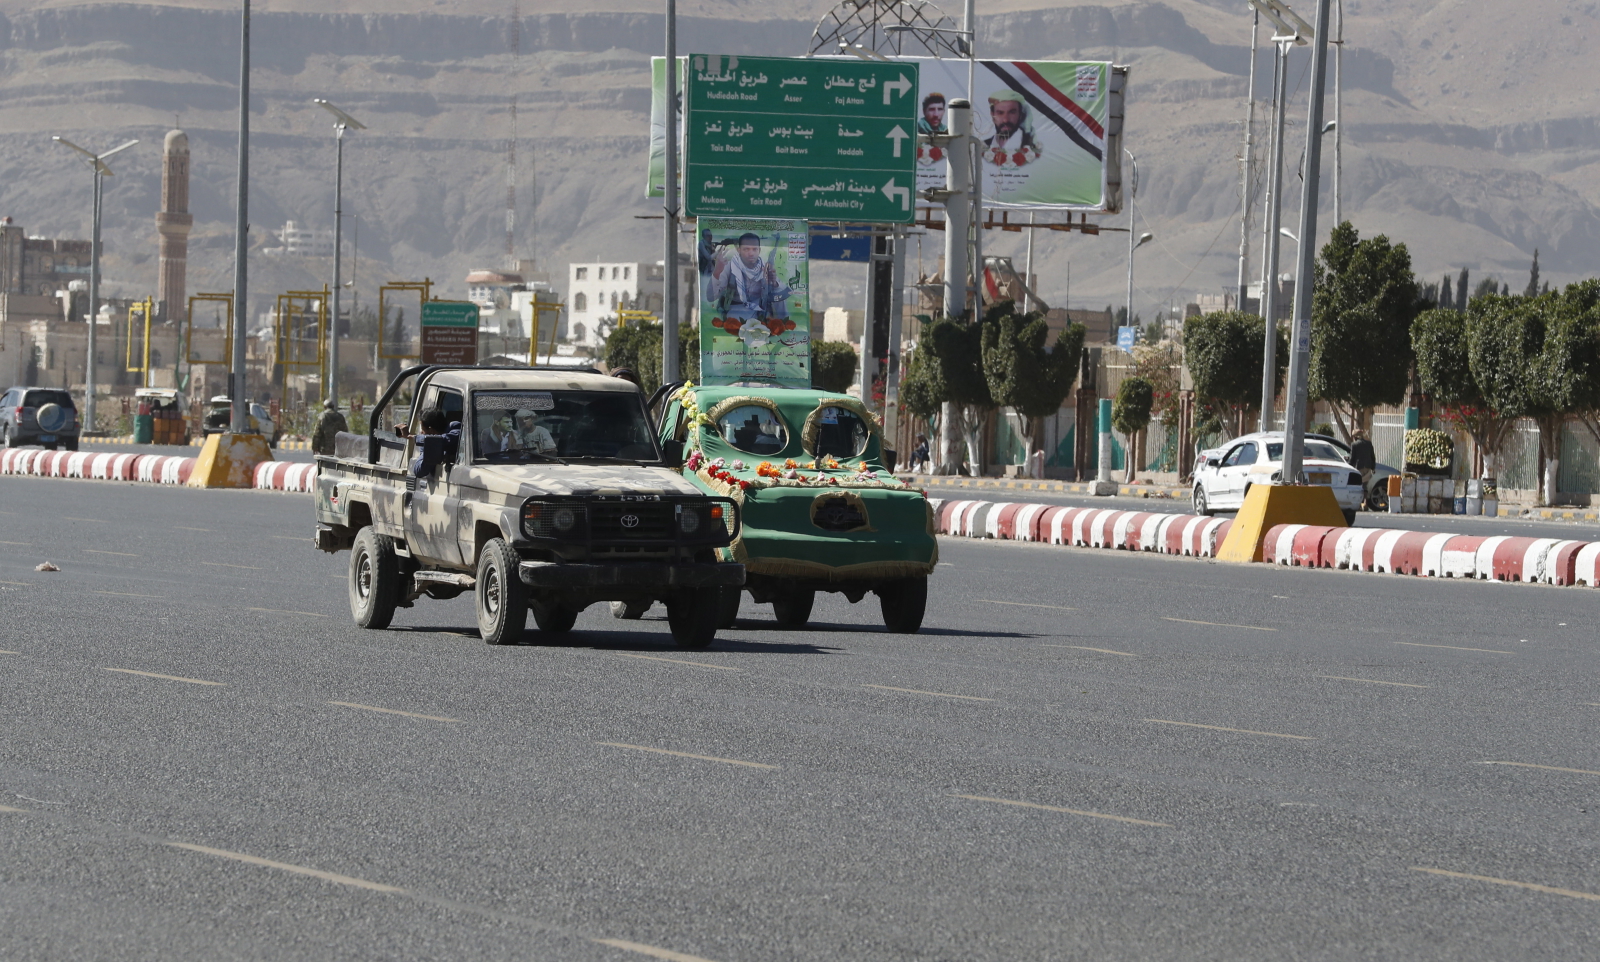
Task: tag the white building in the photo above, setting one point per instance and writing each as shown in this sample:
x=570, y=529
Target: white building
x=596, y=291
x=300, y=241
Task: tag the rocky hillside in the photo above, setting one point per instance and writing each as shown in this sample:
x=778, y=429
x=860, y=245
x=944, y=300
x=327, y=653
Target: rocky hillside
x=1469, y=129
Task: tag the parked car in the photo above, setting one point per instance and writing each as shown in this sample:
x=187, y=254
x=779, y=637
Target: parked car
x=39, y=415
x=220, y=417
x=1224, y=475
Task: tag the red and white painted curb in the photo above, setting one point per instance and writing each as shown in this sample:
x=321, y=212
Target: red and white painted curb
x=149, y=468
x=1425, y=554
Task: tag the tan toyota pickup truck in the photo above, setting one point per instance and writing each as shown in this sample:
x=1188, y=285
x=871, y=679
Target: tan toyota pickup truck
x=536, y=489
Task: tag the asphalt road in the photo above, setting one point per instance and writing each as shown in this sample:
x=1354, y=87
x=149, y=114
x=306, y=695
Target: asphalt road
x=1456, y=524
x=1085, y=755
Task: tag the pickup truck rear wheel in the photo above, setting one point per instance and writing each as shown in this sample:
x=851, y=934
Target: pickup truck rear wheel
x=374, y=580
x=502, y=598
x=692, y=614
x=903, y=603
x=793, y=608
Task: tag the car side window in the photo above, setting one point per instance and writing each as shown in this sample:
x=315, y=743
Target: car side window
x=1243, y=454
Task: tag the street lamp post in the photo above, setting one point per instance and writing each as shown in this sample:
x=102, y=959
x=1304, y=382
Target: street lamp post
x=1142, y=239
x=240, y=398
x=670, y=348
x=341, y=122
x=99, y=169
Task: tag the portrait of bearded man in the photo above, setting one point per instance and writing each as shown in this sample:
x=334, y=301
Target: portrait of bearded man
x=1012, y=144
x=745, y=286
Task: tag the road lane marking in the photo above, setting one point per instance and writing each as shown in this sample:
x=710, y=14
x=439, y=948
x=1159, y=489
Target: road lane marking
x=655, y=952
x=24, y=544
x=1373, y=681
x=1548, y=768
x=91, y=520
x=1069, y=811
x=182, y=528
x=124, y=594
x=703, y=758
x=120, y=554
x=679, y=661
x=393, y=711
x=334, y=877
x=221, y=564
x=4, y=652
x=151, y=674
x=286, y=611
x=1242, y=731
x=288, y=537
x=936, y=694
x=1103, y=651
x=1418, y=644
x=20, y=584
x=1024, y=604
x=8, y=808
x=1216, y=624
x=1531, y=886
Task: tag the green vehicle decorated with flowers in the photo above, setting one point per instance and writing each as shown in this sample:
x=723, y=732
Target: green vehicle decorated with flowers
x=819, y=510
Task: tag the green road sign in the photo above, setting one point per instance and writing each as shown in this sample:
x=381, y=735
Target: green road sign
x=449, y=332
x=805, y=138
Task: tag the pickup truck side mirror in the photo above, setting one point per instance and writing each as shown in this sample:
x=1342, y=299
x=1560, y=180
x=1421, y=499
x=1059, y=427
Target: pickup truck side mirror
x=672, y=453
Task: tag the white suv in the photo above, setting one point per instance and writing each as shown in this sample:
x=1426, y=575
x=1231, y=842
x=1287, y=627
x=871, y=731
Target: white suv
x=1225, y=473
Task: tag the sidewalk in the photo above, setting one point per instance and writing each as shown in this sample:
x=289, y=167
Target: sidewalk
x=128, y=439
x=1178, y=492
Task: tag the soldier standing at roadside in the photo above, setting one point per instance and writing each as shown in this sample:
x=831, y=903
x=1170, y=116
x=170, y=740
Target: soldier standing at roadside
x=329, y=424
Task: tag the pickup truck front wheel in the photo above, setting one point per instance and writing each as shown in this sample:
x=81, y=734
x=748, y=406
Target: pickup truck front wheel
x=692, y=614
x=374, y=580
x=502, y=599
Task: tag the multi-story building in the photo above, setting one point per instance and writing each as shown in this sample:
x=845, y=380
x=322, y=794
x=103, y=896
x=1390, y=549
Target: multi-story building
x=596, y=291
x=301, y=241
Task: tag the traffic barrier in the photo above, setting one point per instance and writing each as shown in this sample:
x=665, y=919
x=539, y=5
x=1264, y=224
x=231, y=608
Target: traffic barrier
x=1513, y=559
x=1102, y=530
x=1147, y=535
x=1402, y=553
x=1458, y=557
x=1586, y=567
x=1300, y=545
x=1056, y=526
x=1023, y=528
x=1125, y=533
x=1213, y=535
x=1002, y=521
x=947, y=511
x=1561, y=563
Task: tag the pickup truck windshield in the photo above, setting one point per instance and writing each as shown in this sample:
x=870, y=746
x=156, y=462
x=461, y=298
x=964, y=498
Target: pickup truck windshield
x=542, y=425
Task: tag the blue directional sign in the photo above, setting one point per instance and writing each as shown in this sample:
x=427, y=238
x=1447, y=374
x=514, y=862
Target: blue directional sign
x=1126, y=336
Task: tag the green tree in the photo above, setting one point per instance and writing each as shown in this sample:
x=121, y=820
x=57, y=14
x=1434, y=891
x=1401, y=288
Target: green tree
x=1439, y=343
x=1364, y=300
x=1532, y=290
x=1025, y=375
x=638, y=347
x=1485, y=287
x=1130, y=414
x=833, y=365
x=1224, y=352
x=1447, y=297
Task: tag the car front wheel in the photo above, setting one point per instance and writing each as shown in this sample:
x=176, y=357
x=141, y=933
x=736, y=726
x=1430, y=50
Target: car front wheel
x=903, y=603
x=1201, y=505
x=692, y=614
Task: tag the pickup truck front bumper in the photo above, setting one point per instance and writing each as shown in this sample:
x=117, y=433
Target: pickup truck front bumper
x=549, y=574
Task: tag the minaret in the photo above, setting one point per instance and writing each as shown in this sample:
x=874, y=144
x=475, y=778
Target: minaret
x=174, y=222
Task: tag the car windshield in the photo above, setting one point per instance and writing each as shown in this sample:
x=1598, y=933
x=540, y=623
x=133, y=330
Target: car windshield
x=550, y=425
x=1321, y=450
x=38, y=399
x=753, y=429
x=841, y=433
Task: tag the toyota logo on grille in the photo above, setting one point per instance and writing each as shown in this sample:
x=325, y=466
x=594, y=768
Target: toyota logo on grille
x=630, y=521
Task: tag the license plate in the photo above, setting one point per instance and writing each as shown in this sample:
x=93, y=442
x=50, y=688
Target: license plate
x=1320, y=477
x=47, y=438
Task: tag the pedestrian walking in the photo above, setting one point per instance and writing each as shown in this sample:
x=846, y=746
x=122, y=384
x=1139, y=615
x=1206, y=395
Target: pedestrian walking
x=329, y=424
x=1363, y=459
x=920, y=455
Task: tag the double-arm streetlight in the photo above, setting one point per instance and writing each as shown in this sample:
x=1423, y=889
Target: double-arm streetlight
x=97, y=163
x=341, y=122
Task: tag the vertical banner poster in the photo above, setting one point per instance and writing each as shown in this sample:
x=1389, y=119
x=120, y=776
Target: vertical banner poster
x=656, y=176
x=755, y=304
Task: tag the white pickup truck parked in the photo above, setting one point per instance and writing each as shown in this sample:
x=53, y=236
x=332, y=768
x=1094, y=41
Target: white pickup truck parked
x=550, y=494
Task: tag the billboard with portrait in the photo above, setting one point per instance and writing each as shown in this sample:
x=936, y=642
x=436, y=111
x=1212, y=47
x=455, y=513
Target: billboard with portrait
x=755, y=305
x=1051, y=130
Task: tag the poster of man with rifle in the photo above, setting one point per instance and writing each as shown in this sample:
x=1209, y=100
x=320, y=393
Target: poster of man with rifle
x=755, y=316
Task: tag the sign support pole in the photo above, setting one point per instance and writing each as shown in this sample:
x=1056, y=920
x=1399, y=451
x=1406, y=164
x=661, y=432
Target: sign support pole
x=241, y=239
x=669, y=270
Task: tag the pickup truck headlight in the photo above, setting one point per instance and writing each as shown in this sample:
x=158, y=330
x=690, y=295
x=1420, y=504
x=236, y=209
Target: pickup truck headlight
x=542, y=519
x=688, y=519
x=563, y=519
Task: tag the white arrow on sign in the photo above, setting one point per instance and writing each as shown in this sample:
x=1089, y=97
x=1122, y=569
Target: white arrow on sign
x=897, y=135
x=889, y=190
x=903, y=85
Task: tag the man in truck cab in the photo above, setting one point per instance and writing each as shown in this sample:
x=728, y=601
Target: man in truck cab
x=437, y=444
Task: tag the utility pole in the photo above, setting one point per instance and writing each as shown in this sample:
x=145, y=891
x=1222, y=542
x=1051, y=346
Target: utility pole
x=1133, y=228
x=241, y=239
x=958, y=175
x=338, y=257
x=1338, y=119
x=1300, y=337
x=669, y=191
x=1244, y=189
x=1274, y=220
